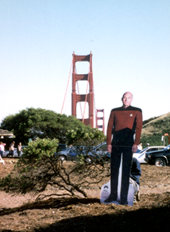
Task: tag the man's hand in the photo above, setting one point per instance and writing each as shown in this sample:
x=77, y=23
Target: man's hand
x=109, y=148
x=134, y=148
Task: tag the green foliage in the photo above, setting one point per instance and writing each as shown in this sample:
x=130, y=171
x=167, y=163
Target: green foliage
x=84, y=135
x=148, y=120
x=154, y=140
x=32, y=167
x=154, y=129
x=40, y=123
x=38, y=168
x=38, y=149
x=20, y=183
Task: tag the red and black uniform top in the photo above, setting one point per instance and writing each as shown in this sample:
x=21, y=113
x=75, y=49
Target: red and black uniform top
x=123, y=124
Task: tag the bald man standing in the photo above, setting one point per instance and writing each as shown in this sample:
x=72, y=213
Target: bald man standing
x=123, y=136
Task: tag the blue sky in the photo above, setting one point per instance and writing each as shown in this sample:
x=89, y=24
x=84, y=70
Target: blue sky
x=129, y=40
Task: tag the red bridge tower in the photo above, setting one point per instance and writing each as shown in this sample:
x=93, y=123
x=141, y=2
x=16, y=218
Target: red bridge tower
x=100, y=120
x=88, y=97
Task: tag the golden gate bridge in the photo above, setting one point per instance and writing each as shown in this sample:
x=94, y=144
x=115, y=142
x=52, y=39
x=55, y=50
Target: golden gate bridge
x=87, y=98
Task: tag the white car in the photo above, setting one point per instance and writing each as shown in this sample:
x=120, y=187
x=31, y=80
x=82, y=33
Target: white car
x=140, y=156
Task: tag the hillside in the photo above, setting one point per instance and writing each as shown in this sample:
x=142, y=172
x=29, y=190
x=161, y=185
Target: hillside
x=154, y=128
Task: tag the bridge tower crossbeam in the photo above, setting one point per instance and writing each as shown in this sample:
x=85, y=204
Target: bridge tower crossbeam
x=78, y=97
x=100, y=119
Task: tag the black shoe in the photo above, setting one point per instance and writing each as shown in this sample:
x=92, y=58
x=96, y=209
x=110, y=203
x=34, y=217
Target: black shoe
x=122, y=202
x=109, y=199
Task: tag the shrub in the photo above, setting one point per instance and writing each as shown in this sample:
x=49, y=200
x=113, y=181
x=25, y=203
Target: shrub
x=39, y=168
x=31, y=166
x=40, y=123
x=38, y=149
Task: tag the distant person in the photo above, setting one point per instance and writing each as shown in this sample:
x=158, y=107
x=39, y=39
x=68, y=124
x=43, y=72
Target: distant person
x=11, y=149
x=2, y=149
x=124, y=122
x=19, y=149
x=140, y=146
x=135, y=175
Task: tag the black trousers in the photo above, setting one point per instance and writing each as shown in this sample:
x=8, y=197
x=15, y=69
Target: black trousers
x=126, y=154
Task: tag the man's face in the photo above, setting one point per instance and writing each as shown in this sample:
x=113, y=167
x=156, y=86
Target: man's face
x=127, y=99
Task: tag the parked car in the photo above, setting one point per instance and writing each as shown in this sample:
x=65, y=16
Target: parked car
x=159, y=158
x=140, y=156
x=98, y=153
x=61, y=147
x=69, y=153
x=90, y=153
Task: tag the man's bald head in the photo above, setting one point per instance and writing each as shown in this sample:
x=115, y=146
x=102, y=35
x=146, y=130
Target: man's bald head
x=127, y=99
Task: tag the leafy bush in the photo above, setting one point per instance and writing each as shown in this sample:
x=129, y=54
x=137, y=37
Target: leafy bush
x=39, y=168
x=31, y=166
x=18, y=183
x=85, y=136
x=40, y=123
x=154, y=140
x=38, y=149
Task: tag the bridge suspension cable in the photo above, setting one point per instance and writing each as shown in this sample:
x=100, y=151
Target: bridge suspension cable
x=68, y=81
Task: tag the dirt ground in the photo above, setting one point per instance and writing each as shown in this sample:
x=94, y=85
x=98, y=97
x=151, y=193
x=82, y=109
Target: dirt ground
x=22, y=213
